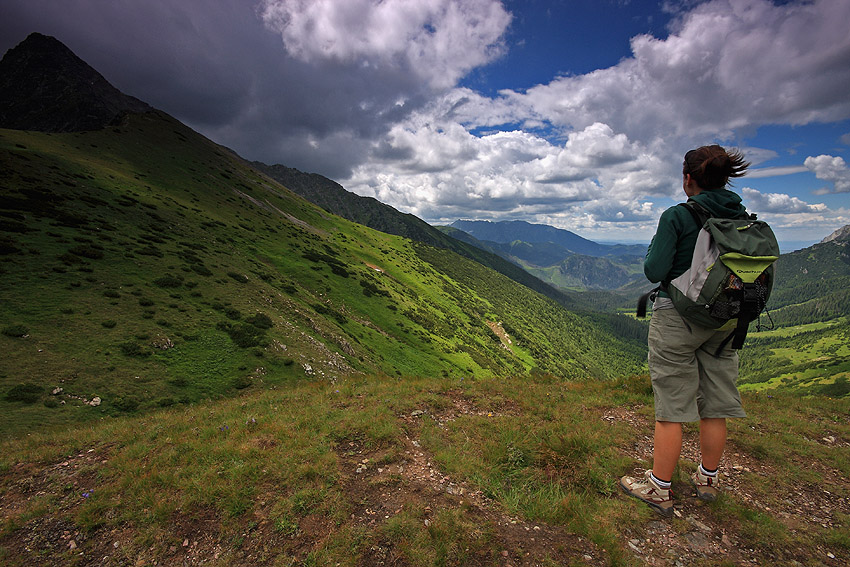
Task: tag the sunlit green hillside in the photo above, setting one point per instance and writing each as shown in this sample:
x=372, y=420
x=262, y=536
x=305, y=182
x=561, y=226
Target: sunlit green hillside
x=146, y=266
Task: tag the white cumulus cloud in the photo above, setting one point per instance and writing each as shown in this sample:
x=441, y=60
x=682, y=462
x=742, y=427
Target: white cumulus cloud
x=726, y=64
x=832, y=169
x=604, y=146
x=440, y=40
x=779, y=203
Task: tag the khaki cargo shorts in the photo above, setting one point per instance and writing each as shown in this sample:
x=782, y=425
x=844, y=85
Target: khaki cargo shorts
x=689, y=382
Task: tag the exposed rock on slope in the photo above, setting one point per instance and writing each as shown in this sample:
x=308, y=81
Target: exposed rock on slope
x=842, y=233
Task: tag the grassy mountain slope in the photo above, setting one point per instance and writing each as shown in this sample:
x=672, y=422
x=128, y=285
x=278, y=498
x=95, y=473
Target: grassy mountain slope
x=600, y=309
x=581, y=272
x=820, y=272
x=370, y=212
x=146, y=266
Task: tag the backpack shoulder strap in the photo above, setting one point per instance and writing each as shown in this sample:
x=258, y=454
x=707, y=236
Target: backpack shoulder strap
x=699, y=213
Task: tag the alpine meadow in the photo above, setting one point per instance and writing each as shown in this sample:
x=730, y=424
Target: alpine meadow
x=207, y=360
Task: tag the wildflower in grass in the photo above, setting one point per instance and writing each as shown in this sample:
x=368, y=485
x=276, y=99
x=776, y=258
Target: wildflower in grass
x=223, y=428
x=251, y=422
x=88, y=493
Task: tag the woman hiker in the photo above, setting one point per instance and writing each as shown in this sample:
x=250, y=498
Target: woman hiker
x=691, y=381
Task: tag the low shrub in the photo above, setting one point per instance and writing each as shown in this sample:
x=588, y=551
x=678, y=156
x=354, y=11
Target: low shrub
x=201, y=270
x=150, y=250
x=838, y=389
x=125, y=403
x=260, y=320
x=132, y=348
x=15, y=331
x=330, y=312
x=87, y=251
x=27, y=393
x=169, y=281
x=244, y=335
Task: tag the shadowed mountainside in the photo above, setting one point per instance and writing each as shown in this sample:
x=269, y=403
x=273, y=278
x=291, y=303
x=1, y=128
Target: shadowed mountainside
x=45, y=87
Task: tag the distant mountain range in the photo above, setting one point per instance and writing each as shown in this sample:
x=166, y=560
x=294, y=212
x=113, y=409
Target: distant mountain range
x=557, y=256
x=510, y=231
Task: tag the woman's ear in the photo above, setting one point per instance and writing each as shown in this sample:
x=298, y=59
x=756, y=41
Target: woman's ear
x=690, y=186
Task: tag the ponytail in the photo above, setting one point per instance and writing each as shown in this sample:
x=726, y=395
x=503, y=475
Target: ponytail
x=712, y=166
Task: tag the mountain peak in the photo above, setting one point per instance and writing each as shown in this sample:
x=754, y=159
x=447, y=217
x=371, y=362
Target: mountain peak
x=842, y=233
x=45, y=87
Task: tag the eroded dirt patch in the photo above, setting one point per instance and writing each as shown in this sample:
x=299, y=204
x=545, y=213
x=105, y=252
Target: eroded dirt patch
x=405, y=480
x=62, y=485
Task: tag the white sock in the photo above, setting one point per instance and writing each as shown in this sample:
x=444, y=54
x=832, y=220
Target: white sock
x=705, y=472
x=660, y=483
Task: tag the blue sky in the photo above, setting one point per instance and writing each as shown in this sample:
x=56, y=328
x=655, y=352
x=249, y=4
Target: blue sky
x=569, y=113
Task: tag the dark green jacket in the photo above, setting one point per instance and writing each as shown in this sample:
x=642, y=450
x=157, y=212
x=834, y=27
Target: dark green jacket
x=669, y=254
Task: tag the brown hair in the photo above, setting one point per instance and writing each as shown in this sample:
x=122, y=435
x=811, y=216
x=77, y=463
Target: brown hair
x=712, y=166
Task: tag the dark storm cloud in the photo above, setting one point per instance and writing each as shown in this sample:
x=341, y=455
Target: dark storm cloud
x=218, y=68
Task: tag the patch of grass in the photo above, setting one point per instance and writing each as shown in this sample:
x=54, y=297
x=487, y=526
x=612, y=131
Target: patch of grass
x=539, y=448
x=90, y=251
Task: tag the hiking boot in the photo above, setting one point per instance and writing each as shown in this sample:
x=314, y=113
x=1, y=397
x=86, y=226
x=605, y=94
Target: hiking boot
x=660, y=499
x=707, y=487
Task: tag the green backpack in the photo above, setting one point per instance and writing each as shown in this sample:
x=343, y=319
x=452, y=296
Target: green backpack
x=731, y=274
